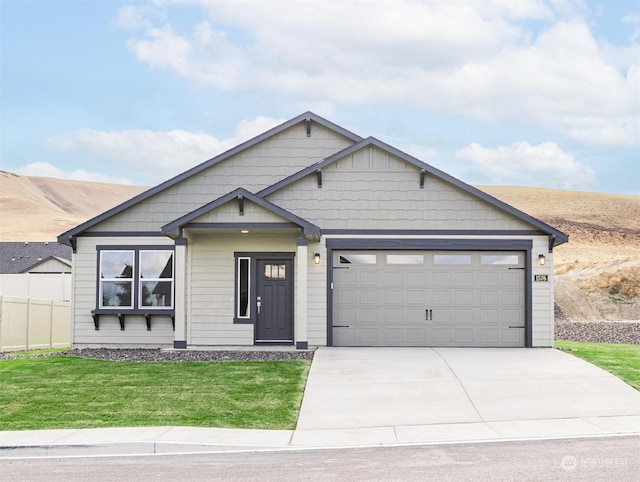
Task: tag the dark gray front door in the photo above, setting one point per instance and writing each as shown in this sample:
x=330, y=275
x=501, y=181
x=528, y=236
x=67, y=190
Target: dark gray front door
x=274, y=299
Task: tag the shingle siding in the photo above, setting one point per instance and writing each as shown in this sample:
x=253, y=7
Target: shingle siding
x=253, y=169
x=369, y=187
x=355, y=195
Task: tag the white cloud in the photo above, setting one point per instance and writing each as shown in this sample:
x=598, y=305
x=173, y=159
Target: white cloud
x=521, y=163
x=44, y=169
x=151, y=156
x=479, y=59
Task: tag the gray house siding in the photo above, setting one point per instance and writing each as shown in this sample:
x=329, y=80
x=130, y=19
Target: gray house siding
x=254, y=169
x=84, y=302
x=211, y=290
x=374, y=190
x=307, y=187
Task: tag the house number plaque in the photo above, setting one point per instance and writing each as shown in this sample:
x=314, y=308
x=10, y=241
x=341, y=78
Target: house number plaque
x=541, y=277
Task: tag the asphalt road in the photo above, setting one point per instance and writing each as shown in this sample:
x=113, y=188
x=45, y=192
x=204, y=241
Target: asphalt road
x=610, y=458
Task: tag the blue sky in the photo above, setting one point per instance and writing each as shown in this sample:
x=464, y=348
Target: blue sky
x=517, y=92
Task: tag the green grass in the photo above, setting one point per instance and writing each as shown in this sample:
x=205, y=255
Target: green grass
x=621, y=360
x=72, y=392
x=38, y=351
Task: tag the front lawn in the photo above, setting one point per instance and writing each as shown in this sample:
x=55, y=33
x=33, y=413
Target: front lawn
x=72, y=392
x=621, y=360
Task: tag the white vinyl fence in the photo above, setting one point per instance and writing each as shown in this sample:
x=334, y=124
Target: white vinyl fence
x=56, y=286
x=29, y=323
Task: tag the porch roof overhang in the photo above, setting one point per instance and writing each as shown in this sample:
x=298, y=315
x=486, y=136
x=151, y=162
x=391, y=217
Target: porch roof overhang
x=289, y=220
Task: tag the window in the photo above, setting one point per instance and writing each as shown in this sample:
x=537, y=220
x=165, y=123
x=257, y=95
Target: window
x=116, y=278
x=243, y=288
x=500, y=259
x=357, y=259
x=275, y=272
x=135, y=278
x=156, y=278
x=452, y=259
x=405, y=259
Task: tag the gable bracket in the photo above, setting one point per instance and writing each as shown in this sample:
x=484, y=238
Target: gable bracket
x=423, y=174
x=552, y=242
x=319, y=176
x=241, y=204
x=308, y=122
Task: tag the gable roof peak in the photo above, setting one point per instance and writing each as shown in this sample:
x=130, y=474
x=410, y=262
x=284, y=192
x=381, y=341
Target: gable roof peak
x=66, y=237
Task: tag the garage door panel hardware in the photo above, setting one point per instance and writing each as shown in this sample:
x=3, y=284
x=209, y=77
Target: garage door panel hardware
x=340, y=326
x=428, y=315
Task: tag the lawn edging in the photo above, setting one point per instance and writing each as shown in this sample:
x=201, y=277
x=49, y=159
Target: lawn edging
x=621, y=360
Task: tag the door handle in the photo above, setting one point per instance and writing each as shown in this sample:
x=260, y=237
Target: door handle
x=428, y=315
x=259, y=304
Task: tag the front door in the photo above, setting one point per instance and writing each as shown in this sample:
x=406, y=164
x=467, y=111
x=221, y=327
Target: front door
x=274, y=301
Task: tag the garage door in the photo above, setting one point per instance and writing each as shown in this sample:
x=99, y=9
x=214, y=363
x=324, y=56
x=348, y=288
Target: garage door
x=428, y=298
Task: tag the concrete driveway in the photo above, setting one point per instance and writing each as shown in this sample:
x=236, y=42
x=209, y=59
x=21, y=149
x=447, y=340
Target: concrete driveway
x=392, y=395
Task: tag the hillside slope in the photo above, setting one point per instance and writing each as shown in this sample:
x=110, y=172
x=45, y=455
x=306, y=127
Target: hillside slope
x=40, y=208
x=598, y=271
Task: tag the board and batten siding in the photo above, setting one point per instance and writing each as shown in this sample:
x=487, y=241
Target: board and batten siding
x=84, y=300
x=254, y=169
x=371, y=189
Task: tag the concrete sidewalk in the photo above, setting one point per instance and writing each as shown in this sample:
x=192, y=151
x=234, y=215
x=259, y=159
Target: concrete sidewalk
x=391, y=396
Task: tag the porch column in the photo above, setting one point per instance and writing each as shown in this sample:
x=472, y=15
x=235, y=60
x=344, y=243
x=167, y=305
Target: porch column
x=301, y=295
x=180, y=280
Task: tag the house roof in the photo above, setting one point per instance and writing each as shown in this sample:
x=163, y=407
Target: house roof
x=560, y=237
x=65, y=262
x=241, y=193
x=19, y=257
x=307, y=116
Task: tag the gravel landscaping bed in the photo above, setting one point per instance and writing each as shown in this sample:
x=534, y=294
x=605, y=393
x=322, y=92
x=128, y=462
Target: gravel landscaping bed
x=627, y=332
x=145, y=354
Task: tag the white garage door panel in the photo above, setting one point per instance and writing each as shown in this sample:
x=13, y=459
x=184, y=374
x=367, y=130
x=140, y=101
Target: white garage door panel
x=427, y=302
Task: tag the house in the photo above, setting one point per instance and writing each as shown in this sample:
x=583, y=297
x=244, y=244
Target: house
x=35, y=270
x=309, y=234
x=34, y=257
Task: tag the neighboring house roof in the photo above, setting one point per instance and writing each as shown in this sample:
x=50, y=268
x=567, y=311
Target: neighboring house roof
x=52, y=264
x=21, y=257
x=307, y=116
x=172, y=228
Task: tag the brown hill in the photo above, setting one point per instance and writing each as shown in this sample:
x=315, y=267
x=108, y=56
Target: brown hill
x=41, y=208
x=597, y=270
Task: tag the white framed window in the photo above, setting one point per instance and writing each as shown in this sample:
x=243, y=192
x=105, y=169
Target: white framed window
x=156, y=279
x=243, y=288
x=116, y=278
x=135, y=278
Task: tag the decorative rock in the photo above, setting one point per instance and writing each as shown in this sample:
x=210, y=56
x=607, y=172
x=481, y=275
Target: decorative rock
x=627, y=332
x=151, y=355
